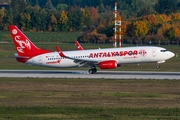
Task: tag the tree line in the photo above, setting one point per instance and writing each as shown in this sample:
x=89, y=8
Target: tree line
x=160, y=22
x=36, y=18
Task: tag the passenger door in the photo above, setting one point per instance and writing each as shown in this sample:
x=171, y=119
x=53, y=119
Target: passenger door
x=154, y=52
x=40, y=60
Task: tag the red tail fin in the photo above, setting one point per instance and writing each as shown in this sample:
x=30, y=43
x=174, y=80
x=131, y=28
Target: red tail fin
x=24, y=46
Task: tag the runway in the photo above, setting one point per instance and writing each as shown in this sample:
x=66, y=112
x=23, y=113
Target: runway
x=85, y=74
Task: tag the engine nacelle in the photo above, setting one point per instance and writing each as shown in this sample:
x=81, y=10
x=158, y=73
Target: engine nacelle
x=108, y=64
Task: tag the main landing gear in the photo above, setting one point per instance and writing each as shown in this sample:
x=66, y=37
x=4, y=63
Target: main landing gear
x=93, y=70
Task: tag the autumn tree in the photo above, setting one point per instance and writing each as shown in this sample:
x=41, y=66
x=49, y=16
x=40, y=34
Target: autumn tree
x=174, y=31
x=25, y=21
x=76, y=20
x=36, y=18
x=125, y=25
x=100, y=28
x=163, y=18
x=86, y=18
x=54, y=22
x=164, y=29
x=152, y=20
x=2, y=14
x=109, y=30
x=171, y=33
x=63, y=21
x=95, y=37
x=176, y=16
x=94, y=15
x=8, y=19
x=140, y=28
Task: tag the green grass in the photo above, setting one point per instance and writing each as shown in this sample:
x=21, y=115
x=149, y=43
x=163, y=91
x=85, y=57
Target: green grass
x=44, y=37
x=47, y=113
x=85, y=99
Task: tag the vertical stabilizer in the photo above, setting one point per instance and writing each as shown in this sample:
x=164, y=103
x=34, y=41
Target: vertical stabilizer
x=24, y=46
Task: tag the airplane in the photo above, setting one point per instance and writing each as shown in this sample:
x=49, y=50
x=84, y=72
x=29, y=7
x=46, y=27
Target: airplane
x=108, y=58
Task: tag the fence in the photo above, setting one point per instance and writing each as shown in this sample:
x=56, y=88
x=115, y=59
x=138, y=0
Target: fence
x=125, y=43
x=140, y=43
x=70, y=40
x=152, y=43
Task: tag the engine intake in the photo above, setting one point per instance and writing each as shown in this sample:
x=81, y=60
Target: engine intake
x=108, y=64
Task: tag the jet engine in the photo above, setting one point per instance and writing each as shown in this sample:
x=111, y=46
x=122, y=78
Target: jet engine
x=108, y=64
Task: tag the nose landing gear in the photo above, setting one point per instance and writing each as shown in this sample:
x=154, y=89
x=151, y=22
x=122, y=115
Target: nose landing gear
x=157, y=66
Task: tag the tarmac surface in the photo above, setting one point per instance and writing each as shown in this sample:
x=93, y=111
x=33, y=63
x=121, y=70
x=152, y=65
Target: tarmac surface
x=85, y=74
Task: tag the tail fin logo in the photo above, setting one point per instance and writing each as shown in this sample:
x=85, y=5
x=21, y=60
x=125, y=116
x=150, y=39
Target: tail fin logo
x=14, y=31
x=22, y=43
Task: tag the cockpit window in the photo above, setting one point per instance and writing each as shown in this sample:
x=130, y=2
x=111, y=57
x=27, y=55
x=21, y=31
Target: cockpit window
x=164, y=50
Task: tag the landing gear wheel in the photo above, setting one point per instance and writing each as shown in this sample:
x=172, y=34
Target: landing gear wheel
x=157, y=66
x=93, y=70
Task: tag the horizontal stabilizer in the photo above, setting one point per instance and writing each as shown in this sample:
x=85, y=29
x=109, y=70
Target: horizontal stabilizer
x=22, y=57
x=18, y=57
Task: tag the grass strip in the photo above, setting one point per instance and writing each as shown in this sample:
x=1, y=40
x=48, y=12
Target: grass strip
x=87, y=113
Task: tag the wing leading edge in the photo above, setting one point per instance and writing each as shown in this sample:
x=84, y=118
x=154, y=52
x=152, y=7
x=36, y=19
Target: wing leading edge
x=82, y=62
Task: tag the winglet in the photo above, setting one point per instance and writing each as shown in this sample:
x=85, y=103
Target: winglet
x=78, y=45
x=60, y=53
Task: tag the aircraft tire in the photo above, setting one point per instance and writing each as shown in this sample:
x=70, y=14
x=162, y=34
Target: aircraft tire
x=157, y=66
x=91, y=71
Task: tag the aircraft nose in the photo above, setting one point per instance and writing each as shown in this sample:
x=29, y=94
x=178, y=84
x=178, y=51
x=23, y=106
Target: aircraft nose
x=171, y=54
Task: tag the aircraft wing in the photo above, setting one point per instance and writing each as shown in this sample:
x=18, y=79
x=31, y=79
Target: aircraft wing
x=82, y=62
